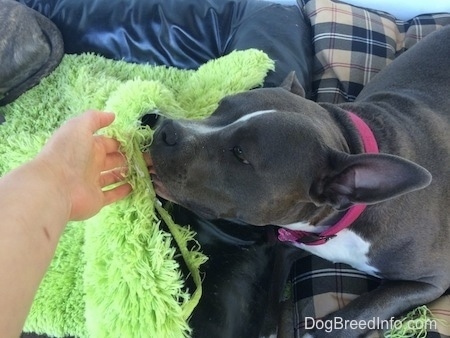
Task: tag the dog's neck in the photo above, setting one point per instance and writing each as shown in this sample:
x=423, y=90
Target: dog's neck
x=309, y=238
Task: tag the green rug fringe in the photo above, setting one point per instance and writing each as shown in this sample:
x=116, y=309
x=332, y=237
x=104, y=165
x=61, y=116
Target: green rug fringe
x=414, y=324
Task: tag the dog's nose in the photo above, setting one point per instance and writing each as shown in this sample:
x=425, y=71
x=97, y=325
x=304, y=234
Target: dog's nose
x=169, y=133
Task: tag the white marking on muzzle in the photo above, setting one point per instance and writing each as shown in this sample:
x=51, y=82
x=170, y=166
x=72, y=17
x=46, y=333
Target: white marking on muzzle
x=202, y=129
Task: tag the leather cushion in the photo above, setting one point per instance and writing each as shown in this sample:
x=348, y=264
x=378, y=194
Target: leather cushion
x=184, y=33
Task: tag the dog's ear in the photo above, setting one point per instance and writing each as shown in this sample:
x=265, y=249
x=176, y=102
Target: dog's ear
x=292, y=84
x=367, y=178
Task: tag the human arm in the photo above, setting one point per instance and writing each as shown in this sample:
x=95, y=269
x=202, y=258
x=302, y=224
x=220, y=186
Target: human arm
x=63, y=182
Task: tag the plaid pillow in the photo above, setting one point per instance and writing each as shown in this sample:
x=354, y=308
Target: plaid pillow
x=320, y=287
x=353, y=44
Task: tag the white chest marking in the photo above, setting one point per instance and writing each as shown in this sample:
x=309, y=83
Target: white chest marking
x=347, y=247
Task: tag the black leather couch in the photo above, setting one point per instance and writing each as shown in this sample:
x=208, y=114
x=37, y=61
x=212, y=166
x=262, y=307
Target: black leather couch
x=184, y=33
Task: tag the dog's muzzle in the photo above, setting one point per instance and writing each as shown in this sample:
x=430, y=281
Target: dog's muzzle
x=154, y=120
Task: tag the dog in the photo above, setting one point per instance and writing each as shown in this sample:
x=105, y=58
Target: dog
x=243, y=278
x=31, y=47
x=364, y=183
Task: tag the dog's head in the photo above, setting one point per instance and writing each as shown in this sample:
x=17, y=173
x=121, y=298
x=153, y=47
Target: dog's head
x=263, y=157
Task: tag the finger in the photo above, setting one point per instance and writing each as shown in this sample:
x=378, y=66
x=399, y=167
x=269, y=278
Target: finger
x=110, y=145
x=111, y=177
x=114, y=160
x=117, y=193
x=148, y=159
x=97, y=119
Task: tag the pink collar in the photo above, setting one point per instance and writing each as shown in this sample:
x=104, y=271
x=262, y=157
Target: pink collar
x=309, y=238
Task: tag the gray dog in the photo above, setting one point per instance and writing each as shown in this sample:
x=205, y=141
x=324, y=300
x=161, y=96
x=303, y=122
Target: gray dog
x=345, y=182
x=31, y=46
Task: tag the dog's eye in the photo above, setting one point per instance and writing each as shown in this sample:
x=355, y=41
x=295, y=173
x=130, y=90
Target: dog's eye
x=239, y=154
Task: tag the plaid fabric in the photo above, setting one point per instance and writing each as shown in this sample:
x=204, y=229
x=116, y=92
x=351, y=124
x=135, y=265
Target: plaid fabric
x=353, y=44
x=320, y=287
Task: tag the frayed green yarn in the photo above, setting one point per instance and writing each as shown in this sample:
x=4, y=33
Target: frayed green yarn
x=414, y=324
x=192, y=257
x=135, y=139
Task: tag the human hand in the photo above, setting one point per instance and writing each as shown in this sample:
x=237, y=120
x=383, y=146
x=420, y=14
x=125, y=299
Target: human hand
x=84, y=164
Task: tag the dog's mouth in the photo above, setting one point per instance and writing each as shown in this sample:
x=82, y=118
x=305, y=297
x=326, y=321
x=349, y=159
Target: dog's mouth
x=159, y=187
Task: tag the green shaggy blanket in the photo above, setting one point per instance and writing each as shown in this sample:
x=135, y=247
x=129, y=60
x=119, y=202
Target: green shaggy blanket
x=116, y=275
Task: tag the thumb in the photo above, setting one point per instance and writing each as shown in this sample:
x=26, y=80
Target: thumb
x=97, y=119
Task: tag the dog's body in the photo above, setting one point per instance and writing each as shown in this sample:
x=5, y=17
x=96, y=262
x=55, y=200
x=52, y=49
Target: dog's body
x=269, y=156
x=30, y=48
x=237, y=280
